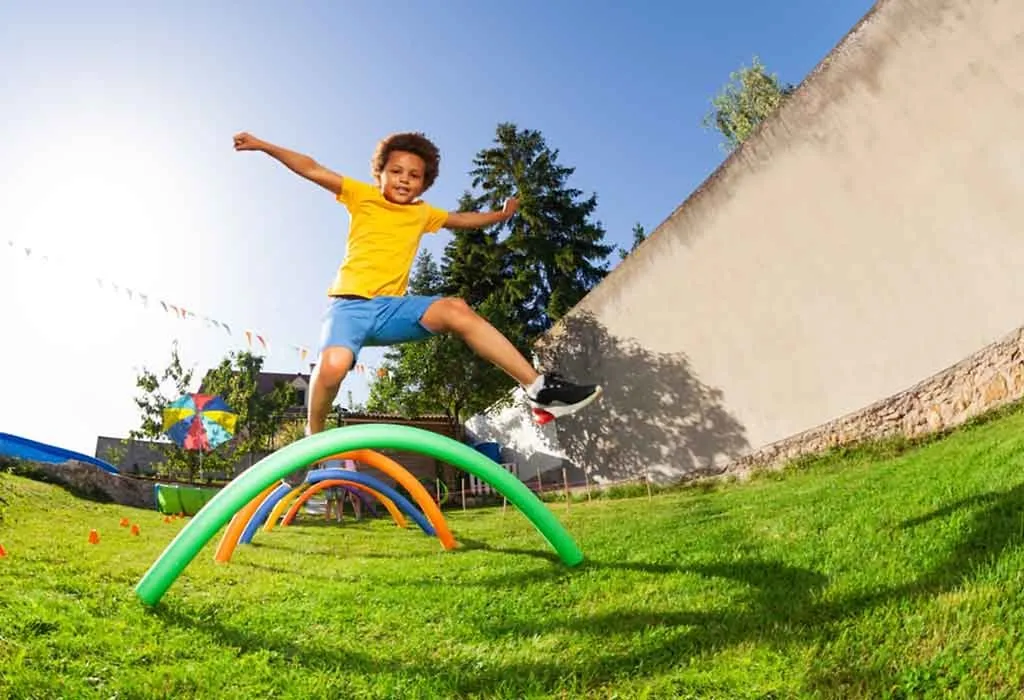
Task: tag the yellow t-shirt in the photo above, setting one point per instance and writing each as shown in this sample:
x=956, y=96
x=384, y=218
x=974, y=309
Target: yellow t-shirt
x=383, y=238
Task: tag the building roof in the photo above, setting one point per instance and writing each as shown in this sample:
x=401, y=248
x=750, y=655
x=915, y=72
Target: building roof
x=266, y=381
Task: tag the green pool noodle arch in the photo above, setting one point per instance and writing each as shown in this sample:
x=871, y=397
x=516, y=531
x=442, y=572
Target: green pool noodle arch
x=278, y=465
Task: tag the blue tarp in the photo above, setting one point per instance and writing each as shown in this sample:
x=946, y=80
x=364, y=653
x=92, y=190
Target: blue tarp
x=23, y=448
x=491, y=449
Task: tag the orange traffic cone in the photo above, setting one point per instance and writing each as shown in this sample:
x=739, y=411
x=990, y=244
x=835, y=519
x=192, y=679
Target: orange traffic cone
x=135, y=529
x=167, y=518
x=124, y=522
x=3, y=552
x=94, y=537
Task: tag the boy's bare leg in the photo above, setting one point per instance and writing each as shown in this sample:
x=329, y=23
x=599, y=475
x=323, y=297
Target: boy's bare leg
x=550, y=395
x=325, y=382
x=455, y=316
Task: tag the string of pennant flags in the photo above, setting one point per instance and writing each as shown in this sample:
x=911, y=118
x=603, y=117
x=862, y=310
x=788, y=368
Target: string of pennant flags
x=254, y=340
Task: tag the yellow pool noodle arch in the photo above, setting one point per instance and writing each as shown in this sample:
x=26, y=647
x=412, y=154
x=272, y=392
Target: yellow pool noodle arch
x=280, y=506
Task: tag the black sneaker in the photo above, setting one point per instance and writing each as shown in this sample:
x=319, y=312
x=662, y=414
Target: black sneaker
x=558, y=397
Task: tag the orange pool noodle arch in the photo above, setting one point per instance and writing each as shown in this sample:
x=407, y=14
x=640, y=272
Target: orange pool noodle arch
x=385, y=464
x=409, y=482
x=227, y=547
x=230, y=537
x=396, y=514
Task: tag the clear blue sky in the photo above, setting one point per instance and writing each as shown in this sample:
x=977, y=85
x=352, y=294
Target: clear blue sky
x=118, y=160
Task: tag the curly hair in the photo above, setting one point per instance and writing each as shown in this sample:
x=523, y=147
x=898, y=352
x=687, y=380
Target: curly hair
x=411, y=142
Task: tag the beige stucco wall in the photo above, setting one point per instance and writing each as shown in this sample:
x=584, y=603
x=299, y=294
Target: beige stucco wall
x=871, y=235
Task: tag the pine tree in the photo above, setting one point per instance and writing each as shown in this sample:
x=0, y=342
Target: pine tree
x=553, y=253
x=425, y=278
x=474, y=267
x=639, y=236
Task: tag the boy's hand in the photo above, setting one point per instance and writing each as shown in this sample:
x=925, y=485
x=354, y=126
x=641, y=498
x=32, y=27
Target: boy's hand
x=247, y=142
x=298, y=163
x=510, y=208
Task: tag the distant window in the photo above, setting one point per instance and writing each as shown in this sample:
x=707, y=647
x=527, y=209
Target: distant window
x=300, y=398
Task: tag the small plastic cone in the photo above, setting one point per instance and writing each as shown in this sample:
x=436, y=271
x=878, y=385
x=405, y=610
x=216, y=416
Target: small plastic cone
x=124, y=522
x=94, y=537
x=3, y=552
x=135, y=529
x=167, y=518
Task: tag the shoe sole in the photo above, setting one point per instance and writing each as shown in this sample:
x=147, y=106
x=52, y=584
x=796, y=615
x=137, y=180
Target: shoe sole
x=543, y=416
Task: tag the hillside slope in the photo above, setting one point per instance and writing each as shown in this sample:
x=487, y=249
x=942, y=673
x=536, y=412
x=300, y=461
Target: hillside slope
x=885, y=572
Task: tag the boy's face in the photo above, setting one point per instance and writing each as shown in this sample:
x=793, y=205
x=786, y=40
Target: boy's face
x=401, y=181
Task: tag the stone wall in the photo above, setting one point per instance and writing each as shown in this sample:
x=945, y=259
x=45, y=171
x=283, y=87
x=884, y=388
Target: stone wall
x=987, y=380
x=88, y=481
x=4, y=495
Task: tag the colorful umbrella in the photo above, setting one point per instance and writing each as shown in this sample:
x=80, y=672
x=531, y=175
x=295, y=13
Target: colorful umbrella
x=199, y=421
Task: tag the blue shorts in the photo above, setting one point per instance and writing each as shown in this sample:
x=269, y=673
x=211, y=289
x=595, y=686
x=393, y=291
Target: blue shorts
x=381, y=321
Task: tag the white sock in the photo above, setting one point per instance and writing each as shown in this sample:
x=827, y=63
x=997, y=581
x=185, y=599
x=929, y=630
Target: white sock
x=537, y=385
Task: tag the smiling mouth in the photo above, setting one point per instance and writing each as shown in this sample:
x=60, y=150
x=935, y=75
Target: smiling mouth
x=404, y=191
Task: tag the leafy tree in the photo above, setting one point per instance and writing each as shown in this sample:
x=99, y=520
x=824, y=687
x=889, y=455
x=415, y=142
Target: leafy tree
x=743, y=103
x=157, y=391
x=288, y=431
x=639, y=236
x=234, y=380
x=260, y=416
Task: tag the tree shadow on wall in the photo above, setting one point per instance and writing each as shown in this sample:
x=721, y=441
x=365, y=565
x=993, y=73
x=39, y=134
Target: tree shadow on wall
x=654, y=414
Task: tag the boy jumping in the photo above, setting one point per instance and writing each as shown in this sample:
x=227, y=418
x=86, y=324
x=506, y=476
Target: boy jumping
x=369, y=306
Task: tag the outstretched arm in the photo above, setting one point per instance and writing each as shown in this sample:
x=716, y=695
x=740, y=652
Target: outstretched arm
x=475, y=219
x=296, y=162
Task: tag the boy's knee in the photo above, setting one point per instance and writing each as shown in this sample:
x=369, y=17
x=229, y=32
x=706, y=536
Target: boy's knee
x=449, y=314
x=459, y=312
x=335, y=362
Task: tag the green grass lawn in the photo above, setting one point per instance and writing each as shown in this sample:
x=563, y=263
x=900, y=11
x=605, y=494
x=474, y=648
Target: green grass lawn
x=854, y=577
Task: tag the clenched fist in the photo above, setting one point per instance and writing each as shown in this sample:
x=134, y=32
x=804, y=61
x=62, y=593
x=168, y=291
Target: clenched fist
x=247, y=142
